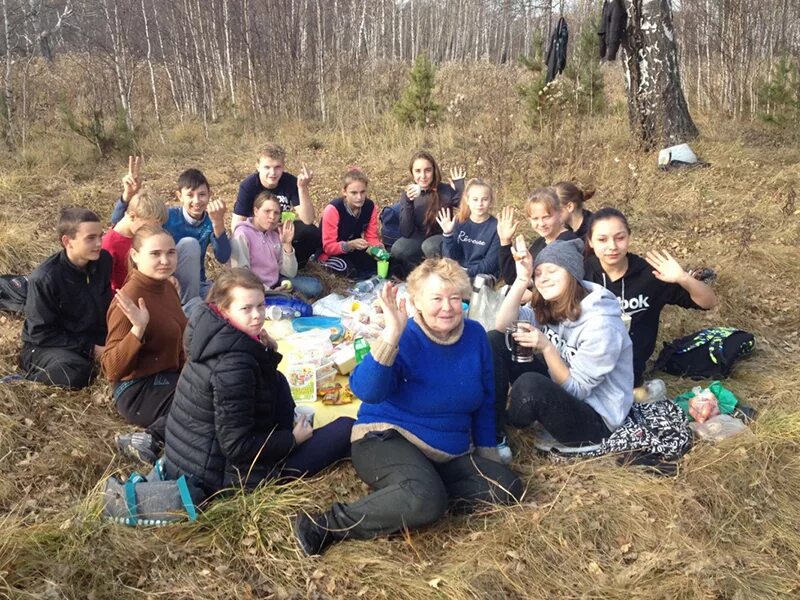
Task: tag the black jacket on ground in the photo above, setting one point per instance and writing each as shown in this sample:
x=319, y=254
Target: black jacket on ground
x=643, y=297
x=508, y=267
x=612, y=28
x=232, y=414
x=66, y=306
x=557, y=52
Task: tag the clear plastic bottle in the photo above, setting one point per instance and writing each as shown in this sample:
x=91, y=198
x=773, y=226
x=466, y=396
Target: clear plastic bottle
x=366, y=286
x=276, y=313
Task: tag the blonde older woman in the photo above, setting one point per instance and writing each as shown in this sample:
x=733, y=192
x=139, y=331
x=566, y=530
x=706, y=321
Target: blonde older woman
x=425, y=434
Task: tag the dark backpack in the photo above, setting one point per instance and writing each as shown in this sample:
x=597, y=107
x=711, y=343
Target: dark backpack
x=13, y=292
x=390, y=224
x=708, y=353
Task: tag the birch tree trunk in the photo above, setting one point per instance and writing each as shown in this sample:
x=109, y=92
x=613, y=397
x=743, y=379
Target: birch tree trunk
x=657, y=108
x=7, y=77
x=152, y=75
x=117, y=60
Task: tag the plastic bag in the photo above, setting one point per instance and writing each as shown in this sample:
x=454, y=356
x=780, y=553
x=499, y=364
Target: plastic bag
x=484, y=305
x=718, y=428
x=726, y=400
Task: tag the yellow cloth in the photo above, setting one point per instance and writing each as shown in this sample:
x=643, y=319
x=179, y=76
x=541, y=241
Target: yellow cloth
x=323, y=414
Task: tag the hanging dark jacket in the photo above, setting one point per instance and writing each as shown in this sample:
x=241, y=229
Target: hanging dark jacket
x=66, y=305
x=612, y=28
x=231, y=420
x=557, y=53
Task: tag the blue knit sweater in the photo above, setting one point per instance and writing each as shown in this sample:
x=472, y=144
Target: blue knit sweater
x=180, y=228
x=442, y=395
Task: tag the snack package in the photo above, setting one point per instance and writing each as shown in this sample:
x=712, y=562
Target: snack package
x=302, y=381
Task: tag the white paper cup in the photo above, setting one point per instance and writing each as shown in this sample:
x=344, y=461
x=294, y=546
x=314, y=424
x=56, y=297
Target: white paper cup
x=306, y=411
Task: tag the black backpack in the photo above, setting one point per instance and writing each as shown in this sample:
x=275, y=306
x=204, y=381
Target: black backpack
x=390, y=224
x=708, y=353
x=13, y=292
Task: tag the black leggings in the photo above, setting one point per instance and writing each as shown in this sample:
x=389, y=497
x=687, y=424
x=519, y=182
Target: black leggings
x=506, y=372
x=146, y=402
x=535, y=397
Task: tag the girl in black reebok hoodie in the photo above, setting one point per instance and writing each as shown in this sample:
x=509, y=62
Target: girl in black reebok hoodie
x=643, y=286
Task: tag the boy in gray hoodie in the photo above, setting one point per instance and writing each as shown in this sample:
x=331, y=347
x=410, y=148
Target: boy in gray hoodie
x=578, y=330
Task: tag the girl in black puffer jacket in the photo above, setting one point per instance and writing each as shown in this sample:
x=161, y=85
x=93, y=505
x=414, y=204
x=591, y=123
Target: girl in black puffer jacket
x=231, y=421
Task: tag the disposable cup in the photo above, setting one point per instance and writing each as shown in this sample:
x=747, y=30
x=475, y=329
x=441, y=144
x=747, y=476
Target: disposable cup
x=383, y=269
x=304, y=410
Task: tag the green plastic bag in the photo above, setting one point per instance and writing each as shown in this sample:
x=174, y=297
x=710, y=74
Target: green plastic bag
x=726, y=399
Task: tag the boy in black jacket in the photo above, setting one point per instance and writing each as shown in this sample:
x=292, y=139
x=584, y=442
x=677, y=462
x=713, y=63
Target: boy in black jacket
x=65, y=312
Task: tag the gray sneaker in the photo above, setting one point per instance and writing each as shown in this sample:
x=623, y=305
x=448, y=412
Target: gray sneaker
x=138, y=446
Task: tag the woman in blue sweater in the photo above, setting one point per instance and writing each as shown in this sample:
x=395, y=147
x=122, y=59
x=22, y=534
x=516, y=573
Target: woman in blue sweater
x=471, y=239
x=424, y=438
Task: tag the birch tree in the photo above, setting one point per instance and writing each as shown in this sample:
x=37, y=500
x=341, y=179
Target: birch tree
x=657, y=108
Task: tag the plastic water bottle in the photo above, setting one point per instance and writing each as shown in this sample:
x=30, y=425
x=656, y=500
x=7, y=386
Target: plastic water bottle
x=366, y=286
x=276, y=313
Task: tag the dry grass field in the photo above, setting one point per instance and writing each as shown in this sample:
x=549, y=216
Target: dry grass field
x=725, y=526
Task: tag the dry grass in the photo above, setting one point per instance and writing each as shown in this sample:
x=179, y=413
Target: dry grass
x=724, y=527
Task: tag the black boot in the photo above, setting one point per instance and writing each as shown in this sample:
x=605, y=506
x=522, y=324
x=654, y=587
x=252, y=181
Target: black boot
x=312, y=533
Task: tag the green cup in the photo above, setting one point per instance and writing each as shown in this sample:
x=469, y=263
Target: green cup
x=288, y=215
x=383, y=269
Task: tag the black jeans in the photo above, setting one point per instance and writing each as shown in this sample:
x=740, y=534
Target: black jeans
x=57, y=366
x=535, y=397
x=146, y=402
x=412, y=491
x=307, y=241
x=506, y=372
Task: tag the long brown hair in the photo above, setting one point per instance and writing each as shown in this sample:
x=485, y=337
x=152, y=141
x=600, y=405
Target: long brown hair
x=567, y=307
x=435, y=204
x=228, y=279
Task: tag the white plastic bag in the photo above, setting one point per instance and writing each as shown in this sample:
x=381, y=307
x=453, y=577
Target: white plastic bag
x=484, y=305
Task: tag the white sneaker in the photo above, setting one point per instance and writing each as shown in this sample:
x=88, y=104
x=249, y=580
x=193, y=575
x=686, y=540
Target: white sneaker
x=504, y=451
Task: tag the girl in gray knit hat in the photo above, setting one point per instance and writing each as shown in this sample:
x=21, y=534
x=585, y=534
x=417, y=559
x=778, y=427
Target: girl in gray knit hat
x=583, y=389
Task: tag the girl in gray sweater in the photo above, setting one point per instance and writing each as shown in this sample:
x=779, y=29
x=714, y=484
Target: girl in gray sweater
x=577, y=329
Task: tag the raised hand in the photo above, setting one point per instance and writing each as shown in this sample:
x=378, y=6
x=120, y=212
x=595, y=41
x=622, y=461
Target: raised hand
x=286, y=231
x=665, y=267
x=132, y=182
x=506, y=226
x=137, y=314
x=216, y=212
x=304, y=178
x=445, y=221
x=394, y=313
x=525, y=268
x=457, y=173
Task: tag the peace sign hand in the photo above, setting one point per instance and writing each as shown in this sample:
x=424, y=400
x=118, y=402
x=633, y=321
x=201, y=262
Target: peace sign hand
x=304, y=178
x=132, y=182
x=445, y=221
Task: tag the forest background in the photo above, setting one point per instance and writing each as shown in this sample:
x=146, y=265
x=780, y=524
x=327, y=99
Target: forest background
x=194, y=83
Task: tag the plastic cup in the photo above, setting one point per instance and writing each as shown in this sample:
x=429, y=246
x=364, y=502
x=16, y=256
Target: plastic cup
x=288, y=215
x=383, y=269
